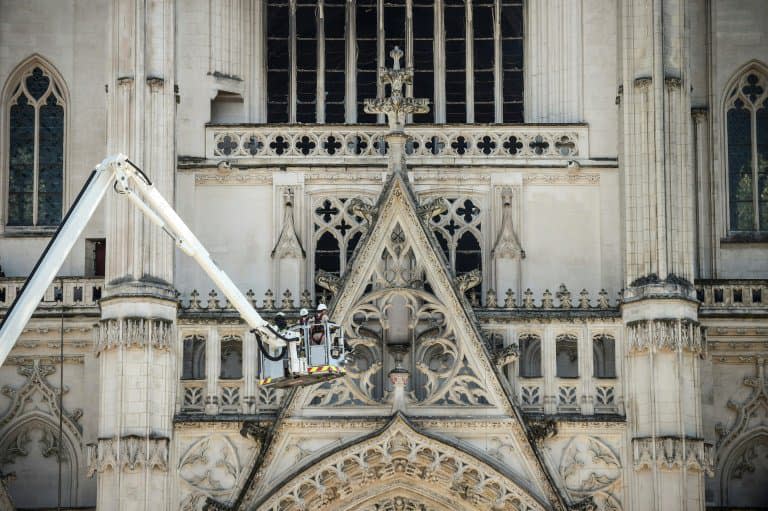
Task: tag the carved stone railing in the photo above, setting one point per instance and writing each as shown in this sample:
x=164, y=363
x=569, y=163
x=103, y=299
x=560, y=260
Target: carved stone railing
x=560, y=301
x=731, y=296
x=531, y=394
x=568, y=396
x=427, y=143
x=231, y=396
x=76, y=292
x=193, y=395
x=606, y=398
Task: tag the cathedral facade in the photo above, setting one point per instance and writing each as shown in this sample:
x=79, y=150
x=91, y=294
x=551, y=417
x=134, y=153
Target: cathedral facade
x=543, y=225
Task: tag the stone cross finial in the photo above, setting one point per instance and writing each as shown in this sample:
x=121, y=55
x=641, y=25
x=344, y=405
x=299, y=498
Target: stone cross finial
x=396, y=107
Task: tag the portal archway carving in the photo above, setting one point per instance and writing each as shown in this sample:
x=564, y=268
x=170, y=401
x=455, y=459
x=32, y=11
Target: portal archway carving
x=401, y=462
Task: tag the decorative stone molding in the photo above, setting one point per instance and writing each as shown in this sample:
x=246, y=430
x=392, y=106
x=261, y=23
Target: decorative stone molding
x=541, y=429
x=134, y=333
x=673, y=453
x=562, y=178
x=237, y=177
x=127, y=453
x=664, y=335
x=643, y=82
x=672, y=83
x=288, y=244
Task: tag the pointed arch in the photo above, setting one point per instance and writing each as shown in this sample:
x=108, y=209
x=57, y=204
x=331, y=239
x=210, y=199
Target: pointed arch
x=397, y=457
x=744, y=110
x=33, y=135
x=745, y=468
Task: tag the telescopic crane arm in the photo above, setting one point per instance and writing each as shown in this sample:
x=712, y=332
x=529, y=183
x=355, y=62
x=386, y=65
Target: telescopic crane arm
x=127, y=180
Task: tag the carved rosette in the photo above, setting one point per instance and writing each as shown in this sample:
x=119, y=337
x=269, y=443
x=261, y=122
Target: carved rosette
x=664, y=335
x=129, y=453
x=134, y=333
x=673, y=453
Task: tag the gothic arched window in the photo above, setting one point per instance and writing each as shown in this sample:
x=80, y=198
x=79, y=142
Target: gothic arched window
x=193, y=362
x=567, y=356
x=530, y=356
x=231, y=358
x=746, y=121
x=36, y=109
x=604, y=356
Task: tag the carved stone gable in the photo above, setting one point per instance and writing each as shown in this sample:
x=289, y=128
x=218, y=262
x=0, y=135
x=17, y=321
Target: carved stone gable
x=404, y=314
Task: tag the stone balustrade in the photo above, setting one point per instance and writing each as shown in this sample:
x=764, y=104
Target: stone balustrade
x=71, y=292
x=426, y=143
x=732, y=295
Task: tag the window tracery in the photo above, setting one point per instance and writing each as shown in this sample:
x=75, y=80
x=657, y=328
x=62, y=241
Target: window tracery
x=747, y=151
x=36, y=119
x=467, y=58
x=337, y=232
x=458, y=231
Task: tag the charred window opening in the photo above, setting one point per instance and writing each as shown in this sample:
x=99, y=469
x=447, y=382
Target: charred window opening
x=423, y=56
x=482, y=31
x=334, y=30
x=278, y=61
x=455, y=62
x=469, y=255
x=512, y=59
x=530, y=356
x=193, y=361
x=604, y=356
x=231, y=358
x=95, y=257
x=567, y=356
x=367, y=51
x=306, y=61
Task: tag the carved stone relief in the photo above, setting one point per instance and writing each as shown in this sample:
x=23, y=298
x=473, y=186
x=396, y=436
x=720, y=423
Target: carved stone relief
x=134, y=333
x=288, y=243
x=664, y=335
x=129, y=453
x=211, y=465
x=590, y=469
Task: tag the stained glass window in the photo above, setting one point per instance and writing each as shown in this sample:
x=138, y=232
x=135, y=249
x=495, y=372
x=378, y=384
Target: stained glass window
x=747, y=132
x=35, y=151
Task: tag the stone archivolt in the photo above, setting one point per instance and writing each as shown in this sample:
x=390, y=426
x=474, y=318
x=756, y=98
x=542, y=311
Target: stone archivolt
x=129, y=453
x=664, y=335
x=134, y=333
x=399, y=456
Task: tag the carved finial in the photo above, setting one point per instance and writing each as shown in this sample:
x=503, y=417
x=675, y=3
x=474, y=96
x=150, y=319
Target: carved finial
x=474, y=299
x=213, y=302
x=227, y=304
x=194, y=300
x=507, y=245
x=602, y=299
x=584, y=299
x=396, y=107
x=490, y=299
x=565, y=297
x=288, y=244
x=269, y=300
x=252, y=298
x=546, y=300
x=287, y=300
x=306, y=299
x=509, y=301
x=528, y=299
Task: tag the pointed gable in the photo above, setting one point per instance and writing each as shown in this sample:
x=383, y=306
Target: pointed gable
x=401, y=308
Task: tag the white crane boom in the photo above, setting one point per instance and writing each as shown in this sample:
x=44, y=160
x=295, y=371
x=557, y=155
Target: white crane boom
x=127, y=179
